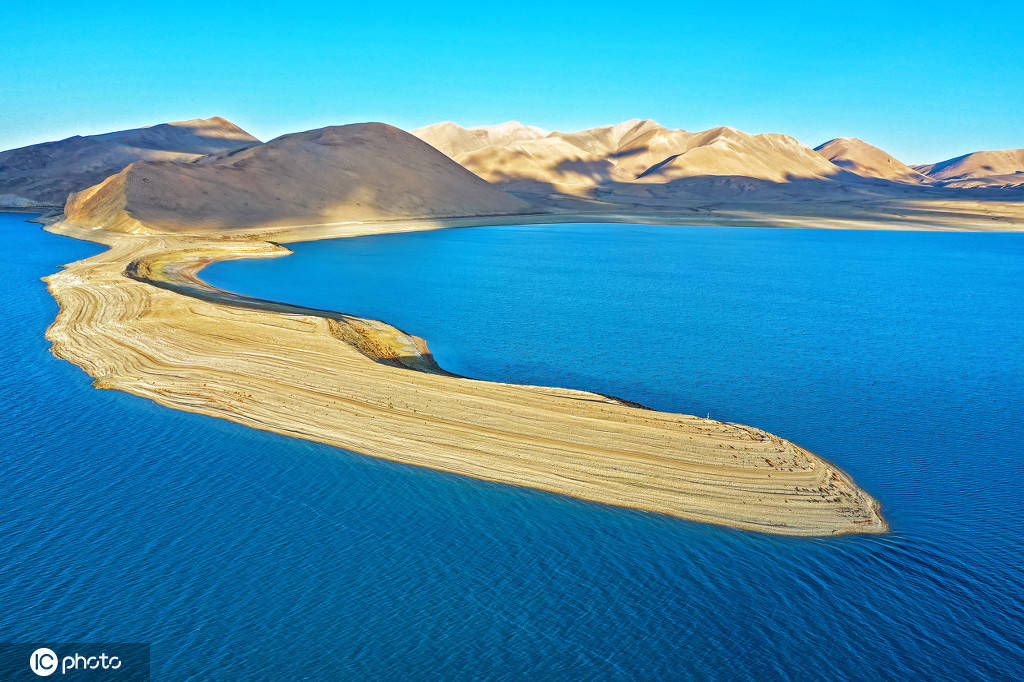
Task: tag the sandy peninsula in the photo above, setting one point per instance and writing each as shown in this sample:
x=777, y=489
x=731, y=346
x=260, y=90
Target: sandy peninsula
x=138, y=319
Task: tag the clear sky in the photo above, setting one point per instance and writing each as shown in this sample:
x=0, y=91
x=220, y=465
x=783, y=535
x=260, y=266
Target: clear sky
x=925, y=81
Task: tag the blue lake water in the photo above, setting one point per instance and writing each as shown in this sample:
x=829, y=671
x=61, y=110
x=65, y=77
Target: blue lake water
x=241, y=554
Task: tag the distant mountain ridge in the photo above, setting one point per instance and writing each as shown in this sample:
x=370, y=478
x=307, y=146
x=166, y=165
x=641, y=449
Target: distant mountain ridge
x=632, y=151
x=628, y=155
x=857, y=156
x=1000, y=168
x=451, y=138
x=44, y=174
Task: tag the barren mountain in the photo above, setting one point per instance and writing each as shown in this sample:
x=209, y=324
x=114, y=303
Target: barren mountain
x=363, y=171
x=727, y=151
x=455, y=140
x=44, y=174
x=857, y=156
x=1001, y=168
x=629, y=152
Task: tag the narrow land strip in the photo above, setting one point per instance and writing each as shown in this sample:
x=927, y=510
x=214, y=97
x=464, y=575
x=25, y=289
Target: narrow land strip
x=137, y=318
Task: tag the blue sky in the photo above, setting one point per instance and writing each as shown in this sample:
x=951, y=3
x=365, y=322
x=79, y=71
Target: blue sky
x=926, y=82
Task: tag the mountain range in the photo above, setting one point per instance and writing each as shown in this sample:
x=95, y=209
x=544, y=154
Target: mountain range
x=211, y=174
x=528, y=159
x=632, y=151
x=1002, y=168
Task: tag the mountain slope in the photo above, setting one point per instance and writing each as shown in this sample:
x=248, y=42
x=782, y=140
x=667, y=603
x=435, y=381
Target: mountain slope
x=857, y=156
x=727, y=151
x=46, y=173
x=545, y=164
x=635, y=151
x=998, y=168
x=365, y=171
x=454, y=140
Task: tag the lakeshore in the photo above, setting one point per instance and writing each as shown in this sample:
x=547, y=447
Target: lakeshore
x=137, y=318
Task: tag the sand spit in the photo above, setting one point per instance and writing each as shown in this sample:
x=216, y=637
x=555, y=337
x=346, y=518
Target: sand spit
x=138, y=319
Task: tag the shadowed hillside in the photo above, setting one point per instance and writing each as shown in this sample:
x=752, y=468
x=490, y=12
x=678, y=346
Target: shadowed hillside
x=451, y=138
x=632, y=151
x=857, y=156
x=1001, y=168
x=44, y=174
x=639, y=167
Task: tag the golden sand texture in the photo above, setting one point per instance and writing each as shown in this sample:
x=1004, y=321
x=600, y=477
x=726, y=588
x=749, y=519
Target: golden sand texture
x=137, y=318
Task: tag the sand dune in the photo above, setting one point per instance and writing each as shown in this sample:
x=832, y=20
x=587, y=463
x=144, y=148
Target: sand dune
x=44, y=174
x=857, y=156
x=362, y=171
x=1001, y=168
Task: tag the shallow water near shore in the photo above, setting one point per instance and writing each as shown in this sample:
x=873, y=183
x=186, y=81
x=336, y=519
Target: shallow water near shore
x=240, y=554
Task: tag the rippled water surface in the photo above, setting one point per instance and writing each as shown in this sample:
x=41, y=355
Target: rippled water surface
x=241, y=554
